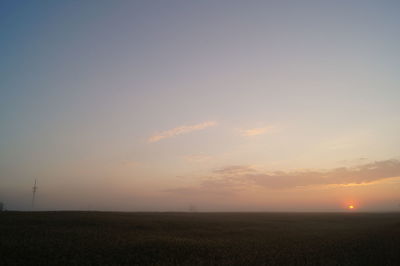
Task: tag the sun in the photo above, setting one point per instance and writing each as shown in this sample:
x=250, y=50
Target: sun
x=351, y=207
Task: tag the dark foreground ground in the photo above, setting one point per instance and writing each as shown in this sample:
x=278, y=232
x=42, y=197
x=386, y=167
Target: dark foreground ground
x=95, y=238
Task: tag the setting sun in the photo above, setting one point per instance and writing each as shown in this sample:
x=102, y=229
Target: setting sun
x=350, y=207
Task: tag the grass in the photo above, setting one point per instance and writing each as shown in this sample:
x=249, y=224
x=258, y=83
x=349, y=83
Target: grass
x=99, y=238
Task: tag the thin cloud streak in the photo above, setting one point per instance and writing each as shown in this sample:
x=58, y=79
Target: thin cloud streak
x=256, y=131
x=180, y=131
x=236, y=178
x=362, y=174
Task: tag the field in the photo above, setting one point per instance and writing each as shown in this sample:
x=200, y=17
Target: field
x=99, y=238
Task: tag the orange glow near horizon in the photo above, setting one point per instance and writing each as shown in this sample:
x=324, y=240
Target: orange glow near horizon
x=351, y=207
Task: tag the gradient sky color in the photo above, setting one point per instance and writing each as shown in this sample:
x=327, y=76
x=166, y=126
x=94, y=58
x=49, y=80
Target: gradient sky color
x=225, y=105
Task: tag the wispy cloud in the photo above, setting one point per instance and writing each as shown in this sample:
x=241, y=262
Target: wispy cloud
x=235, y=178
x=361, y=174
x=257, y=131
x=180, y=131
x=235, y=170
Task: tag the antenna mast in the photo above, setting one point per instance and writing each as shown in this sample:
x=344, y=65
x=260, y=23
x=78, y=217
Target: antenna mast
x=34, y=189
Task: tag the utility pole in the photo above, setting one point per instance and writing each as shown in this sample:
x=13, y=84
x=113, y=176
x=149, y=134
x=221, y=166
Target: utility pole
x=34, y=189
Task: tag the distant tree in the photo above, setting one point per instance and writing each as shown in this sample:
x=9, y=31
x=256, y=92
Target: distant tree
x=1, y=206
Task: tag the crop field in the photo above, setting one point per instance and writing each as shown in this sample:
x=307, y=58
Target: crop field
x=110, y=238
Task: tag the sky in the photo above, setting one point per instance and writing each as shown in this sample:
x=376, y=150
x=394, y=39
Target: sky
x=221, y=105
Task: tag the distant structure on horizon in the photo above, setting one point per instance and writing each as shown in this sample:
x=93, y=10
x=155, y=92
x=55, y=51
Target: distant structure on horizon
x=34, y=189
x=1, y=206
x=192, y=208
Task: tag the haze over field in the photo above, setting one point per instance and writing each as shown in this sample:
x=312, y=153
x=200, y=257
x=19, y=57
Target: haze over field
x=220, y=105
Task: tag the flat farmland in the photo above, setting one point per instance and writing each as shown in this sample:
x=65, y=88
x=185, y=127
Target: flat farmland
x=113, y=238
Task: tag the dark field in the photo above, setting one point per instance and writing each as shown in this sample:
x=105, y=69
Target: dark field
x=96, y=238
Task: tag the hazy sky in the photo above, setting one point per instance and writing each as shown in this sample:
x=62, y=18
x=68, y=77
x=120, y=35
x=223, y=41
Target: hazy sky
x=224, y=105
